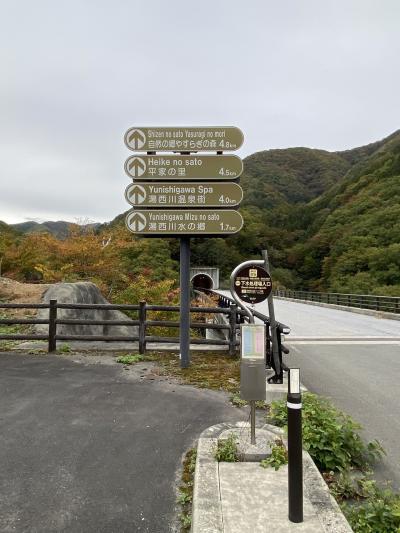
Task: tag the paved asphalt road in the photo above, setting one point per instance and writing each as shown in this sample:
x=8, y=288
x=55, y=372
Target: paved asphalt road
x=94, y=448
x=307, y=320
x=361, y=377
x=362, y=380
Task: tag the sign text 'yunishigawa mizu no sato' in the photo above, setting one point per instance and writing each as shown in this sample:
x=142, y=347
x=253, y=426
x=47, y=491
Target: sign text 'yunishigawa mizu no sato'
x=184, y=222
x=181, y=139
x=186, y=194
x=179, y=167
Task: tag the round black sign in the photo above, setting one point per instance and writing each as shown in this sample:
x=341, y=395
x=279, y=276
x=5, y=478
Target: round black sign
x=253, y=284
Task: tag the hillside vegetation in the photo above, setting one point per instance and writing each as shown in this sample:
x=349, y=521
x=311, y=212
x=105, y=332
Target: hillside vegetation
x=330, y=221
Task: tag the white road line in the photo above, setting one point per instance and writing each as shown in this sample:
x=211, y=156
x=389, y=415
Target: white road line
x=348, y=342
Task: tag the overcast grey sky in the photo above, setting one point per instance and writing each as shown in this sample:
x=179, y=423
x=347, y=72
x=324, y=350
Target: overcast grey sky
x=75, y=74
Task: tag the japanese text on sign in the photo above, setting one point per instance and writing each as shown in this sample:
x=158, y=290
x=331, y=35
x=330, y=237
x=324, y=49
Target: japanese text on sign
x=184, y=139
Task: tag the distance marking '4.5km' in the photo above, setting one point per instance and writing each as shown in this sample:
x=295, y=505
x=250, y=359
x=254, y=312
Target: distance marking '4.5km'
x=180, y=167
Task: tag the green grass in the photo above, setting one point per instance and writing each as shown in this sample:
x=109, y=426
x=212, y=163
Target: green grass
x=237, y=401
x=17, y=329
x=185, y=495
x=211, y=370
x=130, y=359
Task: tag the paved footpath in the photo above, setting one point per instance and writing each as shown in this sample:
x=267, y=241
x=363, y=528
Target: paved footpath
x=93, y=447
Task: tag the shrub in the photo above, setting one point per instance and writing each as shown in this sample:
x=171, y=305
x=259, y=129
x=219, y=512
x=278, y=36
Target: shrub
x=329, y=435
x=379, y=514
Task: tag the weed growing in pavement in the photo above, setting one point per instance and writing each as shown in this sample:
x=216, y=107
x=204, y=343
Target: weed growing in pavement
x=65, y=348
x=330, y=436
x=129, y=359
x=237, y=401
x=227, y=450
x=278, y=457
x=185, y=495
x=186, y=521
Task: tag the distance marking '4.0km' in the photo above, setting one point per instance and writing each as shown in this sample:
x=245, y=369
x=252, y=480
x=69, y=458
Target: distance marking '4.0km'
x=187, y=194
x=166, y=222
x=181, y=139
x=180, y=167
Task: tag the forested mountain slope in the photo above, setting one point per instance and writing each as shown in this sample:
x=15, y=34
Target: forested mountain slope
x=353, y=238
x=346, y=238
x=330, y=221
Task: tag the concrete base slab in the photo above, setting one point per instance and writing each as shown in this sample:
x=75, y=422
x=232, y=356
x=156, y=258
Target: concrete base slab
x=244, y=497
x=256, y=499
x=251, y=452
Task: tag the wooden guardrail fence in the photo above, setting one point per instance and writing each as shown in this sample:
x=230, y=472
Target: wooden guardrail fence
x=142, y=322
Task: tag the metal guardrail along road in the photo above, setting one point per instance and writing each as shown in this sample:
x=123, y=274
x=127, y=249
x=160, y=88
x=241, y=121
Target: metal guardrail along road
x=388, y=304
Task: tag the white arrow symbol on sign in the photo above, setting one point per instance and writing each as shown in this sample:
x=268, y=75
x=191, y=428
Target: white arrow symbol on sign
x=137, y=194
x=137, y=138
x=136, y=166
x=137, y=222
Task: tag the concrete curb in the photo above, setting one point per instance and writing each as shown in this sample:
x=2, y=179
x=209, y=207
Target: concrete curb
x=207, y=515
x=371, y=312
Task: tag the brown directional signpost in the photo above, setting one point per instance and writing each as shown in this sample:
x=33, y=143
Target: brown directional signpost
x=184, y=139
x=178, y=167
x=156, y=194
x=174, y=192
x=184, y=222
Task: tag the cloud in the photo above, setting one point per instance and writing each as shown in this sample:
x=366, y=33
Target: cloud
x=77, y=74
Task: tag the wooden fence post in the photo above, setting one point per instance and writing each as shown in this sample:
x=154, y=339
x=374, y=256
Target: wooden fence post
x=52, y=326
x=142, y=327
x=232, y=329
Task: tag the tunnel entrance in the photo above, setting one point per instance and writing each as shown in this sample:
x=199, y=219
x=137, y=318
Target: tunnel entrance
x=202, y=281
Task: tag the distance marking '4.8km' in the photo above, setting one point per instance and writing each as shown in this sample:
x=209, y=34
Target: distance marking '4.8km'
x=187, y=194
x=181, y=139
x=178, y=167
x=168, y=222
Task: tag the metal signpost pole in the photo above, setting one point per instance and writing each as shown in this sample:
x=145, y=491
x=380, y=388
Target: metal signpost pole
x=272, y=321
x=239, y=270
x=184, y=330
x=164, y=181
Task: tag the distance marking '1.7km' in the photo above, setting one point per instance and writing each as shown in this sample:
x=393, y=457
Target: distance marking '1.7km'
x=180, y=167
x=184, y=139
x=167, y=222
x=186, y=194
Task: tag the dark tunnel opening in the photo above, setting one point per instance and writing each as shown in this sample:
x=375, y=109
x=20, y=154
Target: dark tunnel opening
x=202, y=281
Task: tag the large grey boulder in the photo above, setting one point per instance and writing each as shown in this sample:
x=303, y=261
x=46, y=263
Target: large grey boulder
x=82, y=292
